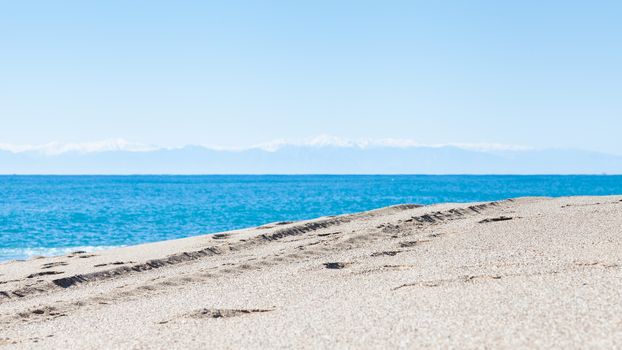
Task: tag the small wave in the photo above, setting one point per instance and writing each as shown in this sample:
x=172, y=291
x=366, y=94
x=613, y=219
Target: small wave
x=7, y=254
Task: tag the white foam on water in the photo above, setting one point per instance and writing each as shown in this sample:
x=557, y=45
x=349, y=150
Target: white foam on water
x=8, y=254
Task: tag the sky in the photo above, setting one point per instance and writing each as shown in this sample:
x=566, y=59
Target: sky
x=542, y=74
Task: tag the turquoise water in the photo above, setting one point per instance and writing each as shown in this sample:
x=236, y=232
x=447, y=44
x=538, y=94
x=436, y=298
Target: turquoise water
x=48, y=215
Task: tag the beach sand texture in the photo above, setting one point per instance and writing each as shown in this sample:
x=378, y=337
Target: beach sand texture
x=529, y=272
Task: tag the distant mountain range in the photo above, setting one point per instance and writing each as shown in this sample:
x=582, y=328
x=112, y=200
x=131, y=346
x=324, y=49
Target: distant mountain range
x=324, y=158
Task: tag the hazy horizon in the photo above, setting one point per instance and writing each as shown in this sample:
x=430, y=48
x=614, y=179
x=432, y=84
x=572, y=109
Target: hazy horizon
x=321, y=155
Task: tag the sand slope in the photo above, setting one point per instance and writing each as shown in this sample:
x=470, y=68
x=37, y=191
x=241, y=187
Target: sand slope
x=531, y=272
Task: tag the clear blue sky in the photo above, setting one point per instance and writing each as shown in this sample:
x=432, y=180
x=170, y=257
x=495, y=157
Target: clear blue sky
x=235, y=73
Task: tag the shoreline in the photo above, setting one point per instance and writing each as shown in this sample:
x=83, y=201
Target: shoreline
x=447, y=275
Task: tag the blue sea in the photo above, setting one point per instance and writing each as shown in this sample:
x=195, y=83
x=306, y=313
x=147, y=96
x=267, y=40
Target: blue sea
x=49, y=215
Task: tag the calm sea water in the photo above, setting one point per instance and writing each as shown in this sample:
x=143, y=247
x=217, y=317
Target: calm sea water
x=47, y=215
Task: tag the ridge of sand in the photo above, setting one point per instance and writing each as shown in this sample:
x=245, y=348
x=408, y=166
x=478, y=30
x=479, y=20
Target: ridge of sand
x=530, y=272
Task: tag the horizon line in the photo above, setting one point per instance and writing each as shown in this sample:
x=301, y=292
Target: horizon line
x=314, y=174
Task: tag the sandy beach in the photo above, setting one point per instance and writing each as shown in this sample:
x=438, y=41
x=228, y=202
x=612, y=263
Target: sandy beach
x=522, y=273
